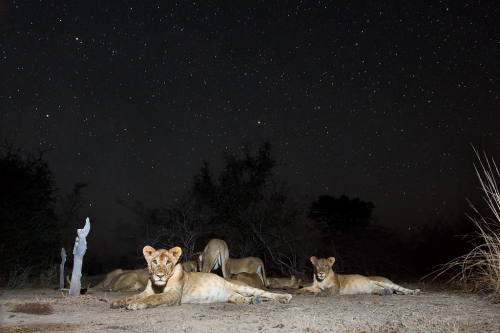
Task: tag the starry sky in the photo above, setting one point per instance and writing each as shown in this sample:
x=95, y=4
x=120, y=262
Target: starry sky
x=359, y=98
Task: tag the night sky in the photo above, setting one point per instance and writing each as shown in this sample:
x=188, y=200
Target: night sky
x=364, y=99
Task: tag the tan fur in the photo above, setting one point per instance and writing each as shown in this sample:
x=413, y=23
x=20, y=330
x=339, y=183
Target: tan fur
x=103, y=285
x=284, y=283
x=250, y=279
x=214, y=255
x=250, y=265
x=169, y=285
x=190, y=266
x=123, y=280
x=327, y=282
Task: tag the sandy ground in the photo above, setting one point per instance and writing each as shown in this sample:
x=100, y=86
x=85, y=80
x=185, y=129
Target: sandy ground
x=433, y=311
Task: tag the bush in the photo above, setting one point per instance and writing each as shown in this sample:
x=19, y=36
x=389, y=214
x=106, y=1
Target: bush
x=29, y=229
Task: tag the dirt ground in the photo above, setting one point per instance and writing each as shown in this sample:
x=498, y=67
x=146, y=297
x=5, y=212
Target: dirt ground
x=432, y=311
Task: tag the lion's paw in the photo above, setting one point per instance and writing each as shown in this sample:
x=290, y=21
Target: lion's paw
x=119, y=303
x=285, y=298
x=256, y=299
x=136, y=305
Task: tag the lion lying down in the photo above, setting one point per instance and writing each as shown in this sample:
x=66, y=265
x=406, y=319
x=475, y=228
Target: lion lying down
x=169, y=284
x=327, y=282
x=252, y=280
x=123, y=280
x=284, y=282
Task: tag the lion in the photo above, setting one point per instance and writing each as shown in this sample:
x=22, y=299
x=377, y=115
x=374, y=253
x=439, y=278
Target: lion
x=326, y=282
x=170, y=285
x=124, y=280
x=250, y=265
x=250, y=279
x=214, y=255
x=284, y=282
x=189, y=266
x=103, y=285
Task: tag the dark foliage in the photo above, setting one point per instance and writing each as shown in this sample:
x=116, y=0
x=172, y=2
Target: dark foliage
x=340, y=216
x=441, y=241
x=29, y=230
x=238, y=193
x=374, y=251
x=69, y=212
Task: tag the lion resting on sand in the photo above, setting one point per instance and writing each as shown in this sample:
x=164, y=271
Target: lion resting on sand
x=250, y=279
x=326, y=282
x=123, y=280
x=284, y=283
x=169, y=284
x=190, y=266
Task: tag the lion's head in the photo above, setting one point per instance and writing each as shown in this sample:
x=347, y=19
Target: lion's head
x=322, y=267
x=161, y=263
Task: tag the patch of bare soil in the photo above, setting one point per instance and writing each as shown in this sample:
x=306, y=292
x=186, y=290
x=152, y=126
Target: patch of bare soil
x=46, y=310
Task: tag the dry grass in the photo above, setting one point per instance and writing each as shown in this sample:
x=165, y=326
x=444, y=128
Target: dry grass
x=33, y=308
x=34, y=276
x=479, y=270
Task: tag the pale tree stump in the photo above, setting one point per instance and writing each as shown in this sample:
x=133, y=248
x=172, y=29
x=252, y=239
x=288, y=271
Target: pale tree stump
x=63, y=262
x=78, y=252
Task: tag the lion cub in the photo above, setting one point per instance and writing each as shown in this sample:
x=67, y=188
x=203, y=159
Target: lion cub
x=327, y=282
x=170, y=284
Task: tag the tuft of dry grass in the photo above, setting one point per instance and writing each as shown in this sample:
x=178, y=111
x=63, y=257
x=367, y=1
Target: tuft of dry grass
x=479, y=270
x=33, y=308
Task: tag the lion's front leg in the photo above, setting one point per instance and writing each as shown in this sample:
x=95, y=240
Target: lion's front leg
x=307, y=290
x=169, y=298
x=332, y=291
x=121, y=303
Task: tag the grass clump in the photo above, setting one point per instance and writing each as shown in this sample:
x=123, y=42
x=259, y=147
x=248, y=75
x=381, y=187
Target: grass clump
x=479, y=270
x=33, y=308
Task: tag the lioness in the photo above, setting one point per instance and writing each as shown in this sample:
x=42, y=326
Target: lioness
x=214, y=255
x=284, y=282
x=326, y=282
x=250, y=265
x=189, y=266
x=169, y=284
x=123, y=280
x=250, y=279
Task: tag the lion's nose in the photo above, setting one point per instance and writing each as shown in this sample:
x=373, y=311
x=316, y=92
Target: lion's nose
x=160, y=276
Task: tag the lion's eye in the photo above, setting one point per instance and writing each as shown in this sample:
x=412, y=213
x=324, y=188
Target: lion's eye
x=168, y=262
x=154, y=262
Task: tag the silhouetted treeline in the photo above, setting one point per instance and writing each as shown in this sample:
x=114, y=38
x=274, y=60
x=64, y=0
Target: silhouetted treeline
x=30, y=235
x=244, y=204
x=251, y=210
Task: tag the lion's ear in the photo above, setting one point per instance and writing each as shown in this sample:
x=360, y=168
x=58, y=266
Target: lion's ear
x=314, y=260
x=331, y=260
x=176, y=252
x=148, y=251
